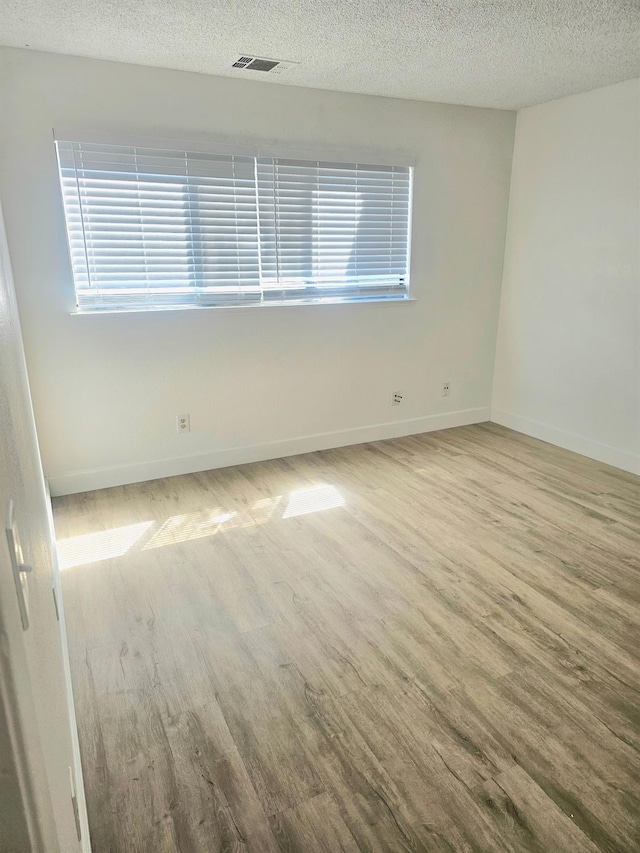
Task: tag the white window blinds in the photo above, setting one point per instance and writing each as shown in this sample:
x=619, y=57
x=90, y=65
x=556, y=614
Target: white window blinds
x=153, y=228
x=333, y=229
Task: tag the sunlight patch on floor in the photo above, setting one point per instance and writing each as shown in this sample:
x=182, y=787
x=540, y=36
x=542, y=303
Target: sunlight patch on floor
x=184, y=527
x=101, y=545
x=313, y=500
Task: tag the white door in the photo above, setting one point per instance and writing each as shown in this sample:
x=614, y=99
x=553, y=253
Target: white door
x=40, y=810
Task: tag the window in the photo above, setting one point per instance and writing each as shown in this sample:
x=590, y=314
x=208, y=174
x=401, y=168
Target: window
x=153, y=228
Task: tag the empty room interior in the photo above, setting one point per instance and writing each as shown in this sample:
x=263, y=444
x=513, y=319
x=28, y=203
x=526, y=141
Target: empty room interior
x=320, y=426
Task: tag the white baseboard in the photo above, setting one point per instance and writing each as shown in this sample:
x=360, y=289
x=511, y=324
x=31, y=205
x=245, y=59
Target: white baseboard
x=570, y=441
x=101, y=478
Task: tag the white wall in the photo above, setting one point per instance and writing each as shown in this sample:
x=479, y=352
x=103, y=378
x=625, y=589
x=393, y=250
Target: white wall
x=568, y=353
x=268, y=381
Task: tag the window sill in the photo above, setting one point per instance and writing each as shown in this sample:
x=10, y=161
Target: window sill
x=93, y=312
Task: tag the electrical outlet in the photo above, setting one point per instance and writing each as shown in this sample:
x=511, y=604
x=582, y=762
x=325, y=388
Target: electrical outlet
x=396, y=399
x=183, y=423
x=446, y=389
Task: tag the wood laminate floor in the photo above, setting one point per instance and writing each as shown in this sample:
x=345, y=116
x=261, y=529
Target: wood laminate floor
x=425, y=644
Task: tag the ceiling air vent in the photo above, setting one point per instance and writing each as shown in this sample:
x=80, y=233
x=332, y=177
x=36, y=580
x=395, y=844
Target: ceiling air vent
x=259, y=63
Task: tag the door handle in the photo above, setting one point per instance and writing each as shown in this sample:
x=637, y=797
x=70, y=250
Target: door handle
x=21, y=570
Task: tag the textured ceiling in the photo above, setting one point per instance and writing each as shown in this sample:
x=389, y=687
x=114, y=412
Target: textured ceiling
x=493, y=53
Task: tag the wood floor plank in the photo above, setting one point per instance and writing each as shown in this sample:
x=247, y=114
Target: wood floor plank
x=315, y=826
x=571, y=773
x=425, y=644
x=527, y=814
x=198, y=764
